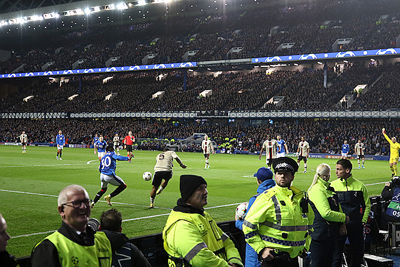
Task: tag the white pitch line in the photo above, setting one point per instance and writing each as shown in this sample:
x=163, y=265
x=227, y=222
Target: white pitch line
x=127, y=220
x=53, y=165
x=27, y=193
x=90, y=161
x=40, y=233
x=46, y=195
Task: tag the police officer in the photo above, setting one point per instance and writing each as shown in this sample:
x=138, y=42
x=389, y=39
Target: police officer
x=329, y=218
x=74, y=243
x=279, y=223
x=354, y=200
x=191, y=236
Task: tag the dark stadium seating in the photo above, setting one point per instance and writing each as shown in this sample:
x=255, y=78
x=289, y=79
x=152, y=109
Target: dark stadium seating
x=213, y=32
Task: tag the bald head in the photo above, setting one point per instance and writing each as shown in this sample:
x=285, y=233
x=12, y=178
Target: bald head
x=68, y=191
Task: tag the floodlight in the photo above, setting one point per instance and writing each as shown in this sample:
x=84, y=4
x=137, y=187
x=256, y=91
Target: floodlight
x=142, y=2
x=87, y=11
x=3, y=23
x=79, y=12
x=52, y=15
x=110, y=7
x=35, y=18
x=122, y=6
x=21, y=20
x=96, y=9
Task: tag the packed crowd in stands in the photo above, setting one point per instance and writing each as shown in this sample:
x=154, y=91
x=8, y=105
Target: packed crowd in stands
x=312, y=28
x=324, y=136
x=231, y=91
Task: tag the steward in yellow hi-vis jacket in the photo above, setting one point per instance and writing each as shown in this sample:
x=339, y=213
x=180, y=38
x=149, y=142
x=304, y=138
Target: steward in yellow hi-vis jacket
x=354, y=200
x=279, y=223
x=75, y=243
x=191, y=236
x=329, y=223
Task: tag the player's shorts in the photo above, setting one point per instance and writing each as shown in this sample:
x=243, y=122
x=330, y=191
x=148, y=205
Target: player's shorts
x=393, y=160
x=59, y=147
x=207, y=156
x=360, y=156
x=23, y=144
x=129, y=148
x=345, y=155
x=116, y=145
x=300, y=158
x=110, y=179
x=101, y=154
x=281, y=155
x=159, y=176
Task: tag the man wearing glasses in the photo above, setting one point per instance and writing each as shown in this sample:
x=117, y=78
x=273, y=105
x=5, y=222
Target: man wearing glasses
x=74, y=243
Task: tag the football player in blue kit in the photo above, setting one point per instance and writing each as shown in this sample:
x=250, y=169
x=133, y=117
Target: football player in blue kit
x=345, y=150
x=108, y=164
x=100, y=145
x=60, y=142
x=282, y=147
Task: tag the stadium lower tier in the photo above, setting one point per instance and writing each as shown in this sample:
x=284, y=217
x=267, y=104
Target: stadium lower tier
x=323, y=135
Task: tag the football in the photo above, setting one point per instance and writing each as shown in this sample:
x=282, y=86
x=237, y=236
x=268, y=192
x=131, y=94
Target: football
x=147, y=176
x=241, y=210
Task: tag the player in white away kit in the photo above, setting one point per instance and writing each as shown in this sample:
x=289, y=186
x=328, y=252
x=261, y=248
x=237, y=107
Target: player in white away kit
x=24, y=140
x=208, y=148
x=163, y=171
x=359, y=149
x=116, y=143
x=271, y=149
x=303, y=151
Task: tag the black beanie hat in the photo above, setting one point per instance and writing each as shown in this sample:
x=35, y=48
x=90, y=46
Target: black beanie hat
x=189, y=184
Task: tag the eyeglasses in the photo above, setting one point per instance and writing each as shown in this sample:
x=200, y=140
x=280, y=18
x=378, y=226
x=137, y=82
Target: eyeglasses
x=77, y=203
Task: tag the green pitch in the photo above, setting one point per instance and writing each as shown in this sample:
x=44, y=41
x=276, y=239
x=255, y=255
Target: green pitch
x=30, y=183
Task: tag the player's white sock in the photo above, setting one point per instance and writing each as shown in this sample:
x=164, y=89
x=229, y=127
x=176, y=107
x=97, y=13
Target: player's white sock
x=151, y=200
x=305, y=167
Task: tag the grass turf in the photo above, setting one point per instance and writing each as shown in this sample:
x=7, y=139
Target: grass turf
x=30, y=183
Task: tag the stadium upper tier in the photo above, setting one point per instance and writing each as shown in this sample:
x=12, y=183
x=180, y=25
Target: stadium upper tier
x=324, y=136
x=201, y=31
x=289, y=88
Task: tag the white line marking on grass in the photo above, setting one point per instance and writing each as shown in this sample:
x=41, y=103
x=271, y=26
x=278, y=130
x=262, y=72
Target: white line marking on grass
x=40, y=233
x=27, y=193
x=165, y=214
x=127, y=220
x=24, y=166
x=90, y=161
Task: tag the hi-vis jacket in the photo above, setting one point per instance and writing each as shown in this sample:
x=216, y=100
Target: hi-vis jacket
x=280, y=218
x=72, y=254
x=328, y=213
x=196, y=239
x=353, y=198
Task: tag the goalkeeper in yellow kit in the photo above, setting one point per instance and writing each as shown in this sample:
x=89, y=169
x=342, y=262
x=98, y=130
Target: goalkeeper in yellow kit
x=394, y=152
